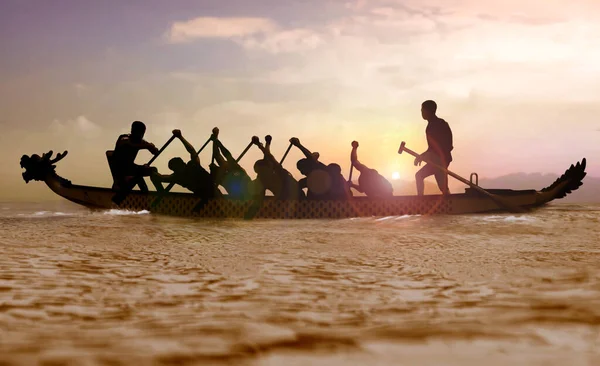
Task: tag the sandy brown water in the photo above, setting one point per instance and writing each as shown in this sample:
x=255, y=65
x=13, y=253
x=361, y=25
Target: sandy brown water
x=113, y=287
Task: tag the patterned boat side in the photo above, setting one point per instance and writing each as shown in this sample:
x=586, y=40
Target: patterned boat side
x=188, y=205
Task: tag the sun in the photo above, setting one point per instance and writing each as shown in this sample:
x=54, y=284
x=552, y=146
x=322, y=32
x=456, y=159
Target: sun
x=395, y=175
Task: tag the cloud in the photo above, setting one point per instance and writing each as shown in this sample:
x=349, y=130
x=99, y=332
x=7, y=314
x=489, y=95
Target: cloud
x=251, y=33
x=286, y=41
x=212, y=27
x=380, y=50
x=518, y=11
x=81, y=89
x=80, y=126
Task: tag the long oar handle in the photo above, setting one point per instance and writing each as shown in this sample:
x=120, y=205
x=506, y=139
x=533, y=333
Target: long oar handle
x=203, y=146
x=161, y=149
x=286, y=153
x=496, y=199
x=404, y=148
x=244, y=152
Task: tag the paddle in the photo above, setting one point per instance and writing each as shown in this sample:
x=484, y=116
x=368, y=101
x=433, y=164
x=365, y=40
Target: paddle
x=215, y=136
x=161, y=150
x=286, y=153
x=499, y=200
x=244, y=152
x=120, y=196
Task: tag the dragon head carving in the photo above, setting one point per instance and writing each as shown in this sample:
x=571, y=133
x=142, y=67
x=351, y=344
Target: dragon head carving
x=38, y=167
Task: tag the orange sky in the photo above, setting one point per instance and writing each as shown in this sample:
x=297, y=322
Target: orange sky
x=517, y=81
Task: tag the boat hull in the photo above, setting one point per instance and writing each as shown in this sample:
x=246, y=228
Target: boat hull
x=188, y=205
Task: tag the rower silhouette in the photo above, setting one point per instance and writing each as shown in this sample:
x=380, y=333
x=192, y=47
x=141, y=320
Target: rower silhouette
x=190, y=175
x=324, y=182
x=439, y=142
x=273, y=177
x=228, y=173
x=121, y=160
x=370, y=181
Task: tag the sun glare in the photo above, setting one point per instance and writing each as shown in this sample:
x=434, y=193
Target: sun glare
x=395, y=175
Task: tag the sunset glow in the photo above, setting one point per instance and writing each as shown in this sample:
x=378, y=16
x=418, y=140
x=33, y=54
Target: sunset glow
x=514, y=79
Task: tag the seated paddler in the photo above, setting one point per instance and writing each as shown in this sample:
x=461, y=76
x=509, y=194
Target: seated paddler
x=122, y=159
x=190, y=175
x=228, y=173
x=370, y=182
x=323, y=182
x=273, y=177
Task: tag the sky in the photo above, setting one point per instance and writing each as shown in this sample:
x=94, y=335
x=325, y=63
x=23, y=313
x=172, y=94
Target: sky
x=516, y=80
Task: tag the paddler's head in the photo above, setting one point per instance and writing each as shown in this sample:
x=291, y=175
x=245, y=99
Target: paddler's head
x=334, y=168
x=304, y=166
x=138, y=129
x=260, y=166
x=263, y=169
x=176, y=165
x=428, y=109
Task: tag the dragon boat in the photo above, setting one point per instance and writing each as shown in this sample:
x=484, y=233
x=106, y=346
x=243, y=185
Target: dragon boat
x=188, y=205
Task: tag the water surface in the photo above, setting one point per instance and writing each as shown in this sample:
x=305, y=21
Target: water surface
x=118, y=287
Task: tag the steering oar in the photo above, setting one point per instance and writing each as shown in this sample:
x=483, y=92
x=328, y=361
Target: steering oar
x=497, y=199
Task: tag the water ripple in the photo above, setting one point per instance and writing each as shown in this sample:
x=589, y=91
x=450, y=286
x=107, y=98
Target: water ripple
x=96, y=288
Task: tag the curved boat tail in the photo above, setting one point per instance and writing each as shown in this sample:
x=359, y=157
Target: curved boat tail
x=570, y=181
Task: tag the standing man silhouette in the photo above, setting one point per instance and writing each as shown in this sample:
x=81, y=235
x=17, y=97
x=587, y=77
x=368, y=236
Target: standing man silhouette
x=439, y=142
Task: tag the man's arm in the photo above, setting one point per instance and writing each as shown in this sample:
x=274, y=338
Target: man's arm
x=142, y=145
x=265, y=150
x=296, y=142
x=419, y=159
x=439, y=138
x=169, y=178
x=303, y=183
x=430, y=143
x=150, y=147
x=354, y=158
x=190, y=149
x=450, y=139
x=268, y=139
x=226, y=154
x=217, y=154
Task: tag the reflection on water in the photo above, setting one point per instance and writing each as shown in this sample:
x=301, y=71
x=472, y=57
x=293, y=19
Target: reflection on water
x=116, y=287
